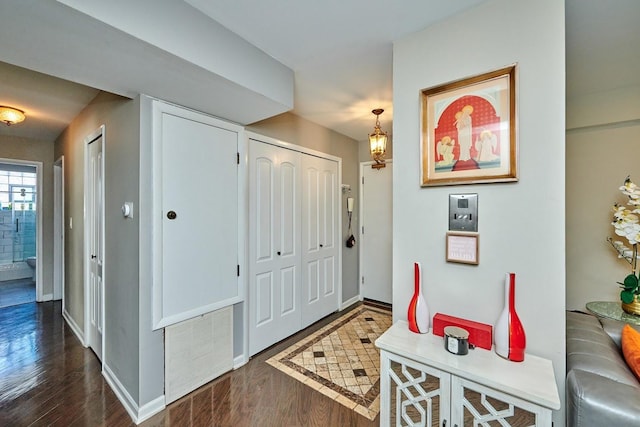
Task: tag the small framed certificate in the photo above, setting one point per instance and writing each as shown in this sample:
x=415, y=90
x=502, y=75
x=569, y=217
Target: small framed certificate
x=462, y=247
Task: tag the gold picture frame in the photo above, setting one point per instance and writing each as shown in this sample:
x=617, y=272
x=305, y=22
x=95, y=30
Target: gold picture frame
x=463, y=247
x=468, y=130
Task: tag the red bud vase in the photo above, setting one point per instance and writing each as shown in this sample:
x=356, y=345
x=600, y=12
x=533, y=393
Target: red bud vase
x=508, y=334
x=418, y=314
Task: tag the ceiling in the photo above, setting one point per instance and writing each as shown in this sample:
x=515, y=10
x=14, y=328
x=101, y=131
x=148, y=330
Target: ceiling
x=342, y=59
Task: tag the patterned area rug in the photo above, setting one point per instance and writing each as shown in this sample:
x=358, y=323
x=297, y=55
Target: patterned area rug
x=341, y=360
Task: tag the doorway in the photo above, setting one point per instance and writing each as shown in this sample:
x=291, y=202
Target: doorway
x=376, y=195
x=21, y=232
x=94, y=241
x=58, y=230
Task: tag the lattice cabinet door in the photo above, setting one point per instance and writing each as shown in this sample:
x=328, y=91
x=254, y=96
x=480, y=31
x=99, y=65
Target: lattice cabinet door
x=475, y=405
x=412, y=394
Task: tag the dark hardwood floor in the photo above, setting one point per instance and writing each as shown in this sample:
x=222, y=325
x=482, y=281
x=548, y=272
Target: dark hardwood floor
x=48, y=378
x=14, y=292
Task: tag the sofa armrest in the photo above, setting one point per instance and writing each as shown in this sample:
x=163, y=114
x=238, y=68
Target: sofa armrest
x=593, y=400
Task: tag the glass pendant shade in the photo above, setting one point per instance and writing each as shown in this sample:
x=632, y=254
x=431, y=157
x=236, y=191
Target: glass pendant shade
x=378, y=140
x=10, y=115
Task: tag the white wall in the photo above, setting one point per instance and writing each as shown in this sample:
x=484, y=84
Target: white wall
x=521, y=224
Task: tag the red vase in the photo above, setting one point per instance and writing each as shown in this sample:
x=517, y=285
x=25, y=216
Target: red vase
x=508, y=334
x=418, y=313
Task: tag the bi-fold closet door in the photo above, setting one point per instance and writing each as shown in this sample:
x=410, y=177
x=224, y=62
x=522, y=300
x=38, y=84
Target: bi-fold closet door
x=293, y=235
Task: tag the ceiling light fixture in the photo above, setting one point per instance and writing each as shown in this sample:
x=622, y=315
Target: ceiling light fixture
x=11, y=115
x=378, y=142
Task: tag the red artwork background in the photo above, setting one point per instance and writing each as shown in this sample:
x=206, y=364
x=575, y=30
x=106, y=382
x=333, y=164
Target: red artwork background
x=483, y=118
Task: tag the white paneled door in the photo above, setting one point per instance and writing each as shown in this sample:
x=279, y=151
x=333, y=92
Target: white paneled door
x=319, y=238
x=274, y=247
x=95, y=216
x=376, y=232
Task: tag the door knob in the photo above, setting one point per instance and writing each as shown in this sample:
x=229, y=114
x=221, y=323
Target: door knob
x=278, y=252
x=93, y=257
x=171, y=215
x=321, y=245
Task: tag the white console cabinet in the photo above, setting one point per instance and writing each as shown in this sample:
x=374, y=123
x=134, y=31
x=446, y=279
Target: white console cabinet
x=421, y=384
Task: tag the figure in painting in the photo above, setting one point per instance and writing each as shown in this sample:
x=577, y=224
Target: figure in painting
x=485, y=145
x=465, y=128
x=445, y=150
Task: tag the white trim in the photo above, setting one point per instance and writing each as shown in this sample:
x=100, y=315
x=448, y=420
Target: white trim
x=137, y=414
x=74, y=328
x=39, y=208
x=240, y=361
x=46, y=297
x=149, y=409
x=159, y=320
x=98, y=133
x=58, y=228
x=361, y=218
x=350, y=302
x=294, y=147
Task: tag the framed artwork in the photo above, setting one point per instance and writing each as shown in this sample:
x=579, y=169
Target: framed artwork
x=462, y=248
x=469, y=130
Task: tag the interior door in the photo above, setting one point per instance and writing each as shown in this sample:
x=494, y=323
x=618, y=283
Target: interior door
x=274, y=248
x=199, y=213
x=319, y=238
x=95, y=217
x=376, y=232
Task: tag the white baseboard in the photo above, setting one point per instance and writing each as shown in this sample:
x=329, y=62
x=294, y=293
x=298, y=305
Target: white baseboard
x=350, y=302
x=239, y=361
x=137, y=414
x=46, y=297
x=74, y=327
x=148, y=410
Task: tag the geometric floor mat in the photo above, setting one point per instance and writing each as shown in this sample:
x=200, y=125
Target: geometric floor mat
x=340, y=360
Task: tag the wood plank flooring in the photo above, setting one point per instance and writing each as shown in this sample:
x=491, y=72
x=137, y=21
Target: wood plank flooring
x=14, y=292
x=48, y=378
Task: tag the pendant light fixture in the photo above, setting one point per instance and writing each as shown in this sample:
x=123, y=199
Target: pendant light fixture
x=10, y=115
x=378, y=142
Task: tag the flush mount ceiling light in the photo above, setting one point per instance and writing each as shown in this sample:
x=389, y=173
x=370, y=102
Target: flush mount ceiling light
x=10, y=115
x=378, y=142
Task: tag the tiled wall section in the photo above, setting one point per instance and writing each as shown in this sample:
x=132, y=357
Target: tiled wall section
x=23, y=242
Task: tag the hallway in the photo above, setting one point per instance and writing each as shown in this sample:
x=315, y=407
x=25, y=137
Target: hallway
x=48, y=378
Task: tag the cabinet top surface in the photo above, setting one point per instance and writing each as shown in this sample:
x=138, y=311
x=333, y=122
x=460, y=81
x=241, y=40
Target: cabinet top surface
x=532, y=380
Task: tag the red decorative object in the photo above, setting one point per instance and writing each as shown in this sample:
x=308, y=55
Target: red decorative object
x=509, y=337
x=480, y=334
x=418, y=313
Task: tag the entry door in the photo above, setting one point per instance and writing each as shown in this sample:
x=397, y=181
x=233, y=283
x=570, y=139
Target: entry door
x=319, y=238
x=274, y=247
x=95, y=216
x=376, y=232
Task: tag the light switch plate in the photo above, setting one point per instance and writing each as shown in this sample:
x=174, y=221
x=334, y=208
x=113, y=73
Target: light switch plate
x=463, y=212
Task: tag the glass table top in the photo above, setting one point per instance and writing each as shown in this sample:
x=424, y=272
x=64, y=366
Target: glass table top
x=612, y=310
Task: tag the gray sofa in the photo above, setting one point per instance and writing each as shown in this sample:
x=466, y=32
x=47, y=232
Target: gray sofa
x=600, y=388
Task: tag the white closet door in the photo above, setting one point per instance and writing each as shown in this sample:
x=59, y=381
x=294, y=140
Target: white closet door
x=320, y=239
x=198, y=215
x=274, y=247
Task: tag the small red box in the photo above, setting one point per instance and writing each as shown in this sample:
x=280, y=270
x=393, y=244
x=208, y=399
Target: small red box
x=480, y=334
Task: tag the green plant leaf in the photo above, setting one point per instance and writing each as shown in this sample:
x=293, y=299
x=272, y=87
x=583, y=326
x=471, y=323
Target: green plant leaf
x=631, y=282
x=626, y=297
